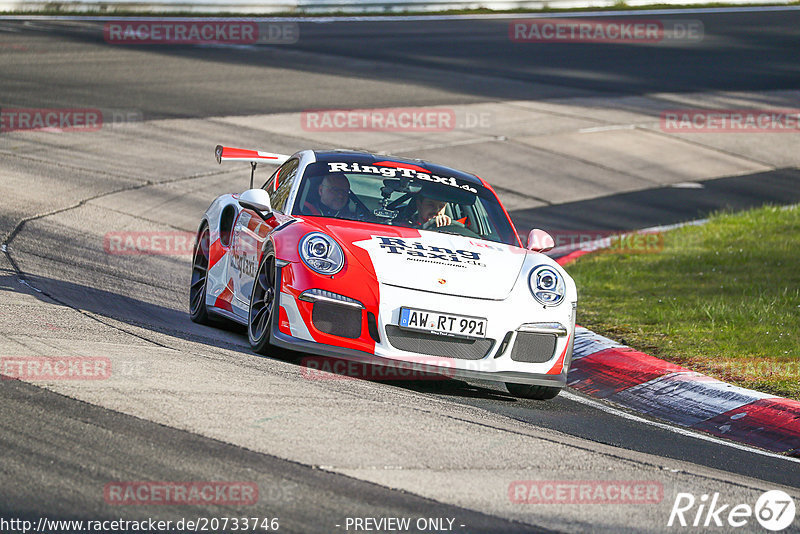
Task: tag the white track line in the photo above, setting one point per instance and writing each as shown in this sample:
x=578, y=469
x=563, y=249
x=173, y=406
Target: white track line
x=677, y=430
x=608, y=128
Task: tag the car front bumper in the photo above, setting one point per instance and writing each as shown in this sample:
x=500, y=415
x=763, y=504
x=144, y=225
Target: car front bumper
x=510, y=322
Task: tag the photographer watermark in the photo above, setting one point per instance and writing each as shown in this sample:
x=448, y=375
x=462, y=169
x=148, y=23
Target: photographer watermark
x=774, y=510
x=148, y=525
x=150, y=243
x=607, y=241
x=395, y=119
x=731, y=121
x=202, y=31
x=62, y=120
x=585, y=492
x=379, y=119
x=54, y=119
x=420, y=368
x=14, y=47
x=604, y=31
x=181, y=493
x=55, y=368
x=400, y=524
x=121, y=119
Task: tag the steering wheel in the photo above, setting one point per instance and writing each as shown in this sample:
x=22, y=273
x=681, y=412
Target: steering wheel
x=362, y=211
x=454, y=227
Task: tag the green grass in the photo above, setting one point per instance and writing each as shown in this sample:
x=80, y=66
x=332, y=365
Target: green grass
x=64, y=8
x=722, y=298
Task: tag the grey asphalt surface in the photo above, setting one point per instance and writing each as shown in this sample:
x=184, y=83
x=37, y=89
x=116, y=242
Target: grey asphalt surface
x=446, y=61
x=70, y=448
x=64, y=450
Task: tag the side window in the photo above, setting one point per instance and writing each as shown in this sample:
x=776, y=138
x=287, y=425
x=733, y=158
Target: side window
x=280, y=184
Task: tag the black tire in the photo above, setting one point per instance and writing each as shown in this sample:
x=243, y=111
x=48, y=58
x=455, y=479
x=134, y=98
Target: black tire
x=529, y=391
x=262, y=300
x=197, y=290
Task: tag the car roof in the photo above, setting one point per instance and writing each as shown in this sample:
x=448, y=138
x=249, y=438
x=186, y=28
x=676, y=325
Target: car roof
x=366, y=158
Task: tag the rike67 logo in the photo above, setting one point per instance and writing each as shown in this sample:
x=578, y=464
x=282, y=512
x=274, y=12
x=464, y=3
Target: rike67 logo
x=774, y=510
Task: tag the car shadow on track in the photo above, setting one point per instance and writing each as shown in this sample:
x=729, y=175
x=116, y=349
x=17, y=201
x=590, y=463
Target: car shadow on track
x=330, y=368
x=454, y=388
x=99, y=303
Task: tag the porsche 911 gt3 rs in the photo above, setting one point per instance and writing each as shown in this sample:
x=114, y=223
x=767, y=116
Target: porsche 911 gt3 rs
x=371, y=276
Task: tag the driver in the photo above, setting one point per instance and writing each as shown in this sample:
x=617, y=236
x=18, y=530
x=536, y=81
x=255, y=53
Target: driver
x=429, y=212
x=334, y=197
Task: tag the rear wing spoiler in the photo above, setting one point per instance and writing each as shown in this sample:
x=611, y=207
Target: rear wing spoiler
x=225, y=153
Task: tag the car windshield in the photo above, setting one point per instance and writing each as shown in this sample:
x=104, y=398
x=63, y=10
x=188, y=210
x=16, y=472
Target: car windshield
x=403, y=195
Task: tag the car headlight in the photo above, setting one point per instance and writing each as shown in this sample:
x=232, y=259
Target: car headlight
x=321, y=253
x=547, y=287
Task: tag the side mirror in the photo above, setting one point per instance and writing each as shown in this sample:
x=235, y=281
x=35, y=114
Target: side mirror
x=540, y=241
x=258, y=201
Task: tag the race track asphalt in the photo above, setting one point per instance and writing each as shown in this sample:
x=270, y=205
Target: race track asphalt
x=193, y=403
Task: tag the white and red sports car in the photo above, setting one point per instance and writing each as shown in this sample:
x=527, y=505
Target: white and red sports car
x=389, y=261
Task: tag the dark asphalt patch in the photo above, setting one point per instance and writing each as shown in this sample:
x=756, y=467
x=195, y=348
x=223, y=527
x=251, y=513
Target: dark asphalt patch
x=665, y=205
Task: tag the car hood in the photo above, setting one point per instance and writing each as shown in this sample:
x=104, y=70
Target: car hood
x=432, y=261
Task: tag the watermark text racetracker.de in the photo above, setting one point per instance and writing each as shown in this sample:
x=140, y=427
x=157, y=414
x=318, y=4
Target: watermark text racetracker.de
x=60, y=120
x=419, y=368
x=730, y=121
x=32, y=368
x=199, y=31
x=607, y=241
x=181, y=493
x=579, y=30
x=149, y=243
x=437, y=119
x=149, y=525
x=585, y=492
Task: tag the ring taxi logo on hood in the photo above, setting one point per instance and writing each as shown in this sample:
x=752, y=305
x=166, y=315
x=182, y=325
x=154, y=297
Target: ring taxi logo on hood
x=417, y=249
x=405, y=172
x=417, y=259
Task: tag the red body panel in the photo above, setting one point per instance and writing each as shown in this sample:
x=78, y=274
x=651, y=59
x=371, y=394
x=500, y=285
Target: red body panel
x=356, y=280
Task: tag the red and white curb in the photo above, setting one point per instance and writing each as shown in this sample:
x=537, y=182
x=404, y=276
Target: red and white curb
x=605, y=369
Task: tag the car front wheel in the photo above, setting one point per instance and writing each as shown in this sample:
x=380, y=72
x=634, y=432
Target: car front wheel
x=262, y=302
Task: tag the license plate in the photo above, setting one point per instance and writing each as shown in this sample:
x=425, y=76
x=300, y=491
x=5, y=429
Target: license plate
x=446, y=324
